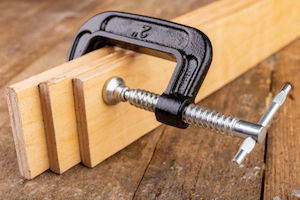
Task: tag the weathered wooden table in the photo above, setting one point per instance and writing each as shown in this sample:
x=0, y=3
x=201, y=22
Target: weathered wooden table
x=167, y=163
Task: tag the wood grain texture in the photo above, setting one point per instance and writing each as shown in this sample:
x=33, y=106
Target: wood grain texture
x=43, y=26
x=79, y=183
x=196, y=164
x=57, y=103
x=31, y=28
x=39, y=148
x=230, y=33
x=97, y=121
x=118, y=176
x=283, y=143
x=103, y=129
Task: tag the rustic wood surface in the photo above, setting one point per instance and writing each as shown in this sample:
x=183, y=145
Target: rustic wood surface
x=238, y=29
x=167, y=163
x=283, y=143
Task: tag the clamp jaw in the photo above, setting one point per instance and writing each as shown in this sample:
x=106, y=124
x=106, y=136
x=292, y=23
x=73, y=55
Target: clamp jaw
x=192, y=50
x=189, y=46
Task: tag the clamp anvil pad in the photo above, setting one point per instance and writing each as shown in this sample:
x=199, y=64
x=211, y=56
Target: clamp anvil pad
x=193, y=52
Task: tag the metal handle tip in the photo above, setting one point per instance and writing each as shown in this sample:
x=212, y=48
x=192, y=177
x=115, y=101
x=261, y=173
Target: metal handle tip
x=246, y=147
x=239, y=158
x=287, y=88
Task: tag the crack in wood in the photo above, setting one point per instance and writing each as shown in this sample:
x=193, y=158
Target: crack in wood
x=137, y=188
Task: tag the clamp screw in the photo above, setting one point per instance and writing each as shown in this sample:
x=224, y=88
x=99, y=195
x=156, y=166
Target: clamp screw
x=115, y=91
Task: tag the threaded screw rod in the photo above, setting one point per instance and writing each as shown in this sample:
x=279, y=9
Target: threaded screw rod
x=115, y=91
x=141, y=99
x=209, y=119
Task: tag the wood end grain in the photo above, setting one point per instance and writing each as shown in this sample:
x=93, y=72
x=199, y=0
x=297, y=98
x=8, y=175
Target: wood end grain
x=49, y=127
x=81, y=121
x=16, y=124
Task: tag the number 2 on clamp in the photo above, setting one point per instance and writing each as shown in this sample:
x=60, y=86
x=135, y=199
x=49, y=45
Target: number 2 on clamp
x=143, y=33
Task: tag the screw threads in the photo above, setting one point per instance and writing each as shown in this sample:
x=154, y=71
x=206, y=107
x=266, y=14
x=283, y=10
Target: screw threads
x=142, y=99
x=209, y=119
x=192, y=114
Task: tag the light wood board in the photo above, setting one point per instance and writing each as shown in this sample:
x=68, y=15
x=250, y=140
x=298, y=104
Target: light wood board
x=59, y=114
x=26, y=116
x=242, y=33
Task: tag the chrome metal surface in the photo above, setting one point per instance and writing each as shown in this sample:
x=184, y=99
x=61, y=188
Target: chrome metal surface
x=249, y=144
x=277, y=102
x=115, y=91
x=221, y=123
x=112, y=90
x=244, y=129
x=142, y=99
x=209, y=119
x=246, y=148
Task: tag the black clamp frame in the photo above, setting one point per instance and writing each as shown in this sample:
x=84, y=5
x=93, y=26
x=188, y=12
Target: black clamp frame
x=189, y=46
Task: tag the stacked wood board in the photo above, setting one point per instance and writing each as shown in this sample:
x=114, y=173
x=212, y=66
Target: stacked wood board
x=52, y=129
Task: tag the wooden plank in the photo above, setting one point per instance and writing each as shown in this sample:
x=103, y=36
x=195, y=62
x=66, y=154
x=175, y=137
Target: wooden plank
x=26, y=116
x=59, y=114
x=108, y=129
x=195, y=163
x=59, y=52
x=283, y=142
x=245, y=29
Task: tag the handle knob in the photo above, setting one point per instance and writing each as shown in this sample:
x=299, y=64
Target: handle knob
x=249, y=143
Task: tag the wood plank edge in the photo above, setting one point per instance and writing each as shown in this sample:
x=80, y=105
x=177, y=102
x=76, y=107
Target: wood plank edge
x=49, y=127
x=82, y=129
x=17, y=130
x=57, y=164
